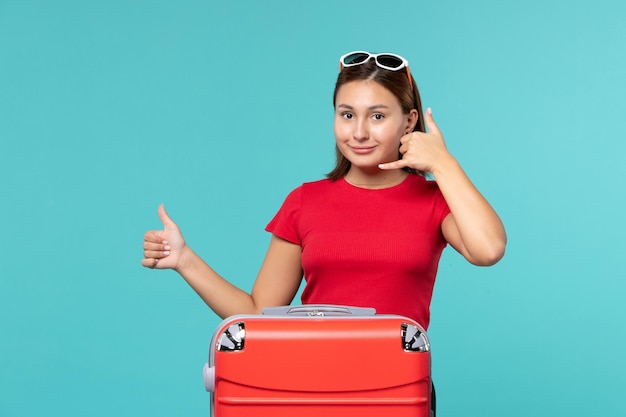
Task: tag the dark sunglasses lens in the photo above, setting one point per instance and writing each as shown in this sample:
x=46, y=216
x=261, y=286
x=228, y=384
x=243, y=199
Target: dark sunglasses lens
x=389, y=61
x=355, y=59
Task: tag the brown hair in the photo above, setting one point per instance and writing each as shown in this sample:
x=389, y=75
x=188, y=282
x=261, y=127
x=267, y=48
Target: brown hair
x=397, y=82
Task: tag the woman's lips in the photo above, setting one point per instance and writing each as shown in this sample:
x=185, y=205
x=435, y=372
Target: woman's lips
x=361, y=150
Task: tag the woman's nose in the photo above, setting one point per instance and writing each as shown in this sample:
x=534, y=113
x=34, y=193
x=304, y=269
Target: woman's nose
x=361, y=131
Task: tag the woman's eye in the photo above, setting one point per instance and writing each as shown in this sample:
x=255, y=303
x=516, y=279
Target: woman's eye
x=348, y=115
x=378, y=116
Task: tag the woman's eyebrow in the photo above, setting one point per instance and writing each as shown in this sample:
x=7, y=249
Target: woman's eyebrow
x=374, y=107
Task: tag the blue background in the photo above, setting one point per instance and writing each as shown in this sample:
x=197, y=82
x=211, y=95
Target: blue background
x=219, y=109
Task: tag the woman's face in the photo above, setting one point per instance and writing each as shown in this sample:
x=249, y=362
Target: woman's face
x=369, y=123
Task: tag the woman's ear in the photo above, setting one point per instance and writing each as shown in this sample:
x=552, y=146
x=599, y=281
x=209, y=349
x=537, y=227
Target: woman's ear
x=411, y=120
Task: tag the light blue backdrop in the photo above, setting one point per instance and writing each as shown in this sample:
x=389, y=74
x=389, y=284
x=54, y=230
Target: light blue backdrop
x=218, y=109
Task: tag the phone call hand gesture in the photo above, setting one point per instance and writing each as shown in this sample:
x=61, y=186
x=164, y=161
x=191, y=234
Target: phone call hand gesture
x=162, y=248
x=420, y=150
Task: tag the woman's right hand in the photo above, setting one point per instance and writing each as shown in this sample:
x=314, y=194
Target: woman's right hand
x=162, y=248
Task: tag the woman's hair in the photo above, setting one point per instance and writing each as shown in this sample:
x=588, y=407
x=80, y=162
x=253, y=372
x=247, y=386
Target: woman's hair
x=397, y=82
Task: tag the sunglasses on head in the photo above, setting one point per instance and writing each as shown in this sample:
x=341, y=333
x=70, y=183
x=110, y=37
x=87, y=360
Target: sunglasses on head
x=386, y=60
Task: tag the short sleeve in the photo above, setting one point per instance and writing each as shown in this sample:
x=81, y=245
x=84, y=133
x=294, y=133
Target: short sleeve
x=286, y=221
x=441, y=206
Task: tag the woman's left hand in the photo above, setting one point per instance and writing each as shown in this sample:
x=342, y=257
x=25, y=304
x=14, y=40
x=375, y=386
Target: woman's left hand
x=473, y=227
x=421, y=151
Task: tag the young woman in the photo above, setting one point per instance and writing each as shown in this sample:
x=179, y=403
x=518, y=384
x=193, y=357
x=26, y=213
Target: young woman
x=372, y=233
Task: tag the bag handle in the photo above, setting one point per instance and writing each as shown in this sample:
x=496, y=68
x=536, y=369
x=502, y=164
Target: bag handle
x=318, y=310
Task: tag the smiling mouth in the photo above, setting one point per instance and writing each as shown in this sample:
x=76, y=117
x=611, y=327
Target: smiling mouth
x=362, y=149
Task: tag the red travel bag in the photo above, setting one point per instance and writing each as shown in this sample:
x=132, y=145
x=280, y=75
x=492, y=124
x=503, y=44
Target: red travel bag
x=319, y=361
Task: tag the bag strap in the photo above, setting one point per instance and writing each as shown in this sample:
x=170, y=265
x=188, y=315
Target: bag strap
x=318, y=310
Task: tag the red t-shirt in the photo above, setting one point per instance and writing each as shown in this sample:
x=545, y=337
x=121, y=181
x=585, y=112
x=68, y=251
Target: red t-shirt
x=367, y=248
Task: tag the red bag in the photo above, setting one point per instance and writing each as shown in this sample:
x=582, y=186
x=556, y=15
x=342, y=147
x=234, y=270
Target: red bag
x=319, y=361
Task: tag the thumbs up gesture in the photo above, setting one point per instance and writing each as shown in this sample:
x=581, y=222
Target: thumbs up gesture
x=420, y=150
x=162, y=248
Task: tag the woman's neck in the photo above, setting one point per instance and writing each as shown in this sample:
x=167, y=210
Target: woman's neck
x=376, y=180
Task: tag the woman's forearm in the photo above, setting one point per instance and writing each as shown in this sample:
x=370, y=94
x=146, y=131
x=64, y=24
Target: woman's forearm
x=224, y=298
x=481, y=233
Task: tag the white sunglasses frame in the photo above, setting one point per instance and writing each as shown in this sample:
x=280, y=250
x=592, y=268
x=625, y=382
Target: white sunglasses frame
x=404, y=64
